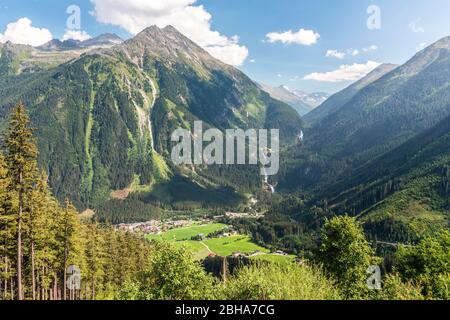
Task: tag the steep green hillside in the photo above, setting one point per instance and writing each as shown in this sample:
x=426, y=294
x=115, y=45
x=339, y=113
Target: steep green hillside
x=400, y=197
x=405, y=193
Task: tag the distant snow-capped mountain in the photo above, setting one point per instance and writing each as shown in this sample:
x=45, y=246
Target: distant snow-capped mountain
x=103, y=40
x=301, y=101
x=314, y=99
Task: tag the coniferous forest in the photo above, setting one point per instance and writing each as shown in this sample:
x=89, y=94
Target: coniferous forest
x=41, y=238
x=49, y=252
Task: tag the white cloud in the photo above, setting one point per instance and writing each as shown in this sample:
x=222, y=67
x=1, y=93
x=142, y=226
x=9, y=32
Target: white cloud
x=302, y=36
x=76, y=35
x=352, y=52
x=370, y=48
x=252, y=60
x=233, y=54
x=22, y=32
x=192, y=20
x=279, y=75
x=335, y=54
x=415, y=28
x=421, y=46
x=344, y=73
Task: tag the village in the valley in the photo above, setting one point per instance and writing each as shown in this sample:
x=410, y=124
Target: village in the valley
x=155, y=229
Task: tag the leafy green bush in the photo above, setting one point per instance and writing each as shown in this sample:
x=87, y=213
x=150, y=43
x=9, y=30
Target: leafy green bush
x=171, y=274
x=428, y=265
x=279, y=282
x=395, y=289
x=346, y=254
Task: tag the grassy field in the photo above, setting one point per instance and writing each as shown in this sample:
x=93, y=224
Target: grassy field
x=230, y=245
x=220, y=246
x=199, y=249
x=244, y=244
x=183, y=234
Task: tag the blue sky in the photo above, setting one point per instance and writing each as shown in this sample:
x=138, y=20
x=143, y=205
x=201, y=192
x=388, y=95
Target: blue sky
x=353, y=49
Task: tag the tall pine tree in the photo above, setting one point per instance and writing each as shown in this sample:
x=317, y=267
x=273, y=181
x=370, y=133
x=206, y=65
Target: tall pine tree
x=21, y=160
x=6, y=235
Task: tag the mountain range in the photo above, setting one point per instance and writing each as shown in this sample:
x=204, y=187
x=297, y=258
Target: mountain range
x=103, y=40
x=104, y=116
x=404, y=102
x=376, y=119
x=104, y=111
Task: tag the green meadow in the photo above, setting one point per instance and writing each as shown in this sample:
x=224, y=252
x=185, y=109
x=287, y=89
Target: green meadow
x=187, y=233
x=220, y=246
x=228, y=246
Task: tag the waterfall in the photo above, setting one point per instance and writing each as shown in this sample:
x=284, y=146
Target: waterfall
x=154, y=93
x=300, y=137
x=266, y=176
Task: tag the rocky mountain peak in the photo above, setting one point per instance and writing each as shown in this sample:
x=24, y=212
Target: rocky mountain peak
x=167, y=43
x=443, y=43
x=424, y=58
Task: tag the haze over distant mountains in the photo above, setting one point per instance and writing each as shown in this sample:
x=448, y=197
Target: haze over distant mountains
x=301, y=101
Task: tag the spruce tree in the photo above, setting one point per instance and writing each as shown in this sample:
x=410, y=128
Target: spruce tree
x=21, y=160
x=41, y=233
x=70, y=242
x=6, y=234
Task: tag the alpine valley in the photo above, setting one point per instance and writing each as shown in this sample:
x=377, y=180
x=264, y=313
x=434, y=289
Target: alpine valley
x=104, y=111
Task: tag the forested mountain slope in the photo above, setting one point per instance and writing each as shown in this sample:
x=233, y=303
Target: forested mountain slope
x=338, y=100
x=408, y=100
x=403, y=194
x=379, y=118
